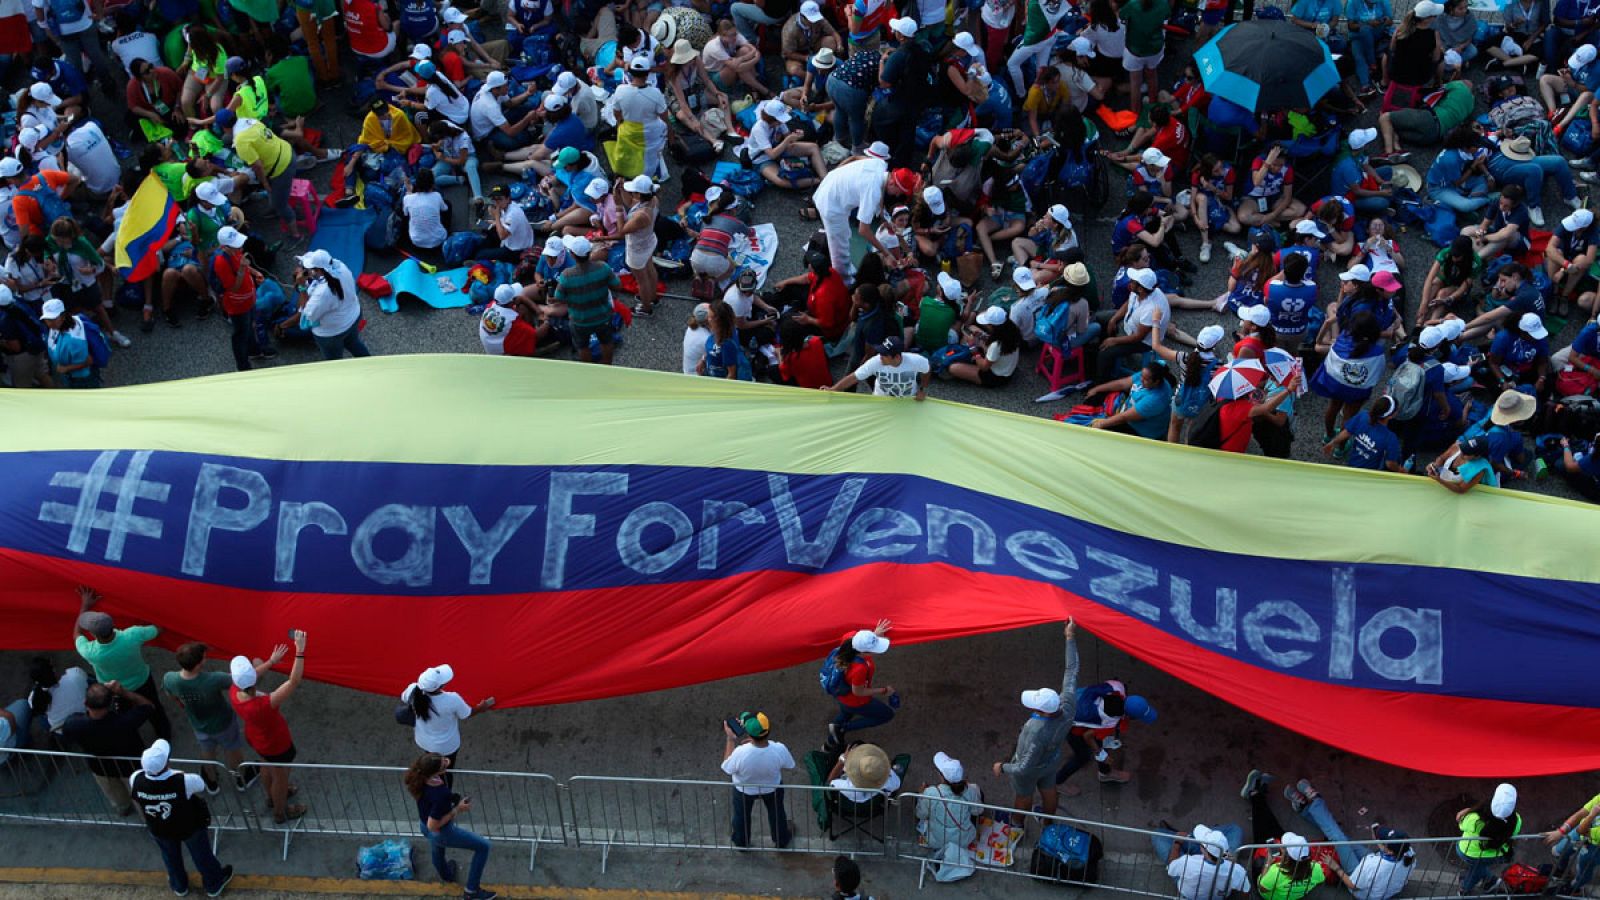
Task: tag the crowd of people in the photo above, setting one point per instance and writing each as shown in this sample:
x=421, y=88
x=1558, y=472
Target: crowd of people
x=114, y=712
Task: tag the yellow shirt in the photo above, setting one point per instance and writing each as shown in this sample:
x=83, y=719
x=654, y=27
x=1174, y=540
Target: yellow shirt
x=257, y=144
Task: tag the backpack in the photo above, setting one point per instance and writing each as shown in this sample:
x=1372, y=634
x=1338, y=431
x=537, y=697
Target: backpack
x=212, y=280
x=99, y=348
x=1205, y=429
x=944, y=358
x=1065, y=853
x=460, y=247
x=66, y=12
x=51, y=206
x=1577, y=139
x=1050, y=323
x=1406, y=386
x=384, y=229
x=832, y=675
x=1521, y=878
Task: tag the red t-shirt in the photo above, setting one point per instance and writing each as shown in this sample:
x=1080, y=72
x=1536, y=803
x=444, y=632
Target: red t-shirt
x=264, y=726
x=521, y=340
x=859, y=673
x=829, y=303
x=808, y=366
x=1173, y=140
x=454, y=68
x=235, y=301
x=361, y=21
x=1234, y=419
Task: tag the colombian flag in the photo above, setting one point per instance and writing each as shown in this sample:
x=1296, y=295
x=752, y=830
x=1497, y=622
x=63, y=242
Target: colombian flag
x=151, y=216
x=594, y=531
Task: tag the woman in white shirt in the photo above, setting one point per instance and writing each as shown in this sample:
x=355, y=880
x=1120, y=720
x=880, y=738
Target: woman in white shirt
x=331, y=308
x=437, y=713
x=695, y=332
x=425, y=212
x=1109, y=38
x=1000, y=341
x=439, y=94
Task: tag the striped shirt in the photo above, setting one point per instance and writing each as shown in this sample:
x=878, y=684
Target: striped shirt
x=586, y=290
x=716, y=236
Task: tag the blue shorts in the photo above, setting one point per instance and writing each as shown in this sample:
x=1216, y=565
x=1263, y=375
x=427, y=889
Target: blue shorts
x=230, y=738
x=1005, y=218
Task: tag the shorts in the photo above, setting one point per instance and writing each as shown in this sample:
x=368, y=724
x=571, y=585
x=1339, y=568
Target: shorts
x=1105, y=67
x=286, y=756
x=1212, y=16
x=989, y=379
x=1417, y=127
x=226, y=740
x=1131, y=63
x=1003, y=218
x=605, y=333
x=86, y=297
x=1024, y=784
x=638, y=257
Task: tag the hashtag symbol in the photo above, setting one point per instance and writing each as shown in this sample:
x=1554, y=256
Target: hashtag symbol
x=86, y=517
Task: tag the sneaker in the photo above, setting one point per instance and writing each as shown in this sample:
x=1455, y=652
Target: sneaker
x=147, y=325
x=665, y=264
x=245, y=777
x=1589, y=177
x=172, y=319
x=121, y=340
x=833, y=740
x=1297, y=800
x=1115, y=776
x=227, y=876
x=1536, y=216
x=1304, y=787
x=1205, y=252
x=264, y=353
x=205, y=310
x=1234, y=250
x=329, y=156
x=451, y=873
x=996, y=270
x=295, y=811
x=480, y=894
x=1575, y=202
x=212, y=788
x=1253, y=783
x=304, y=161
x=639, y=312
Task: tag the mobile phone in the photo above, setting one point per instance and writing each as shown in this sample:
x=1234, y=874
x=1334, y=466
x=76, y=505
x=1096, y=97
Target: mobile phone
x=1261, y=204
x=734, y=725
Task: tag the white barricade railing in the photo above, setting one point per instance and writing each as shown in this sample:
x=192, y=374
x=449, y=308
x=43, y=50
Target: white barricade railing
x=371, y=801
x=698, y=815
x=59, y=788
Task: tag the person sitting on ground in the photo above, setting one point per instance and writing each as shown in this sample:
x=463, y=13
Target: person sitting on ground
x=1144, y=408
x=999, y=345
x=1270, y=198
x=1512, y=296
x=1506, y=228
x=1288, y=873
x=951, y=828
x=1199, y=866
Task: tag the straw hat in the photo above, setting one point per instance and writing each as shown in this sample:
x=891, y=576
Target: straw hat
x=867, y=766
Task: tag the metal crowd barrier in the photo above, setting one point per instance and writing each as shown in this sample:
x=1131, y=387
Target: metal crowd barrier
x=662, y=813
x=1438, y=870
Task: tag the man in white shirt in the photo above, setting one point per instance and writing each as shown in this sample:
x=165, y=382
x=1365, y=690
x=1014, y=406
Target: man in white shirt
x=137, y=44
x=510, y=226
x=90, y=153
x=899, y=374
x=858, y=188
x=487, y=117
x=756, y=764
x=731, y=60
x=1198, y=866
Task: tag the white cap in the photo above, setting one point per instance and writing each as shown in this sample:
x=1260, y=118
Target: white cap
x=53, y=308
x=1581, y=57
x=1043, y=700
x=994, y=315
x=1145, y=278
x=316, y=259
x=6, y=297
x=1295, y=846
x=494, y=79
x=967, y=43
x=639, y=63
x=579, y=246
x=1061, y=214
x=640, y=184
x=905, y=26
x=555, y=246
x=229, y=236
x=44, y=93
x=1152, y=156
x=1257, y=315
x=1307, y=226
x=566, y=81
x=1452, y=328
x=1357, y=272
x=437, y=677
x=878, y=150
x=1212, y=839
x=1504, y=802
x=30, y=136
x=1428, y=9
x=1510, y=47
x=1533, y=325
x=10, y=167
x=1454, y=373
x=1081, y=46
x=154, y=758
x=1430, y=337
x=1578, y=221
x=596, y=189
x=1452, y=59
x=713, y=193
x=1210, y=336
x=506, y=293
x=1362, y=137
x=811, y=11
x=776, y=109
x=456, y=37
x=1022, y=276
x=554, y=101
x=452, y=16
x=420, y=52
x=934, y=197
x=950, y=287
x=949, y=767
x=208, y=192
x=869, y=642
x=244, y=674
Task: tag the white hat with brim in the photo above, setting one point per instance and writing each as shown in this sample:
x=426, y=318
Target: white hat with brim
x=242, y=673
x=949, y=767
x=1512, y=407
x=579, y=246
x=53, y=309
x=228, y=236
x=934, y=197
x=1357, y=272
x=596, y=188
x=1061, y=215
x=992, y=316
x=869, y=642
x=811, y=11
x=1581, y=57
x=1428, y=9
x=1257, y=315
x=1042, y=700
x=1295, y=846
x=904, y=26
x=555, y=246
x=437, y=677
x=154, y=758
x=640, y=184
x=1534, y=326
x=1578, y=220
x=1145, y=278
x=1362, y=137
x=682, y=52
x=1211, y=840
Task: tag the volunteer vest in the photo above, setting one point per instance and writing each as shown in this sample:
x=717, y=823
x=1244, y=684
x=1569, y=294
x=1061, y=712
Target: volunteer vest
x=253, y=102
x=167, y=809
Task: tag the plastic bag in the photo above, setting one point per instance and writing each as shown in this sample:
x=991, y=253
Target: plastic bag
x=388, y=861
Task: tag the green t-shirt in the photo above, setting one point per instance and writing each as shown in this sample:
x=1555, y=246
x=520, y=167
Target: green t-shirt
x=1042, y=18
x=1451, y=275
x=1147, y=25
x=120, y=659
x=203, y=228
x=1472, y=823
x=171, y=175
x=204, y=698
x=1594, y=830
x=1454, y=107
x=293, y=89
x=1275, y=883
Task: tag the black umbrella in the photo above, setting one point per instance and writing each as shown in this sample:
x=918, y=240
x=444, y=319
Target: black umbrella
x=1267, y=65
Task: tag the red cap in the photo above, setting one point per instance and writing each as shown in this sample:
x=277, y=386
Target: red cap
x=907, y=181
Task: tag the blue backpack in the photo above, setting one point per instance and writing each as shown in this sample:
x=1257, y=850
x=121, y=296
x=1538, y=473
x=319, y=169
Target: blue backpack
x=51, y=206
x=1050, y=323
x=1070, y=845
x=99, y=347
x=1577, y=140
x=384, y=229
x=832, y=676
x=942, y=359
x=461, y=247
x=66, y=12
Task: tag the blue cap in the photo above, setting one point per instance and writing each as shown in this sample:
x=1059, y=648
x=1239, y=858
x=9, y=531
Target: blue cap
x=426, y=69
x=1139, y=708
x=226, y=118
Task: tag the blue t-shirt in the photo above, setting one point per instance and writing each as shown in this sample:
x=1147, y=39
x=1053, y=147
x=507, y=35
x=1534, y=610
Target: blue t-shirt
x=1290, y=305
x=1225, y=113
x=1469, y=470
x=1154, y=404
x=1517, y=351
x=1505, y=445
x=1587, y=343
x=69, y=350
x=1346, y=174
x=1320, y=11
x=720, y=357
x=1589, y=463
x=569, y=132
x=1368, y=10
x=1313, y=257
x=1371, y=446
x=418, y=19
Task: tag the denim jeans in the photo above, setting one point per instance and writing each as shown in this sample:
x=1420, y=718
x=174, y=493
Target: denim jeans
x=1366, y=44
x=23, y=713
x=454, y=837
x=1088, y=336
x=777, y=817
x=1456, y=200
x=242, y=339
x=205, y=861
x=850, y=125
x=1316, y=812
x=1588, y=856
x=444, y=175
x=1163, y=844
x=334, y=347
x=87, y=43
x=855, y=718
x=1531, y=175
x=746, y=16
x=1478, y=870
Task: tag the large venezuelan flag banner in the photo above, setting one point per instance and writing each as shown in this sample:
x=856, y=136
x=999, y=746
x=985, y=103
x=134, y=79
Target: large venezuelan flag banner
x=579, y=532
x=151, y=216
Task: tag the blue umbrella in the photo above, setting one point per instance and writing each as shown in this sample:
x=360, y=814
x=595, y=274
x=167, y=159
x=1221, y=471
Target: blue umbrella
x=1267, y=64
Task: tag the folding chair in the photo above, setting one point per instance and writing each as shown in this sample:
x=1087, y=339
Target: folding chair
x=850, y=816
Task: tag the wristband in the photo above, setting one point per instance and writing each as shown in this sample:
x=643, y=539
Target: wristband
x=1566, y=827
x=299, y=656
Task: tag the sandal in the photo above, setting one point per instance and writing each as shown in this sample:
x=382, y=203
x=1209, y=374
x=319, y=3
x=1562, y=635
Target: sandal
x=295, y=811
x=810, y=213
x=996, y=270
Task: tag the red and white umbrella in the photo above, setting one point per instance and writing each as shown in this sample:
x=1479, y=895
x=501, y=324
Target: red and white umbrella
x=1238, y=379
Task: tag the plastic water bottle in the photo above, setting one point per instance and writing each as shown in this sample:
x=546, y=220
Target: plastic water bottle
x=594, y=345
